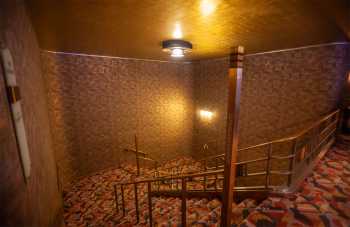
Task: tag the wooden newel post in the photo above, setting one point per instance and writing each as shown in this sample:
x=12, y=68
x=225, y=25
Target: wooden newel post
x=231, y=151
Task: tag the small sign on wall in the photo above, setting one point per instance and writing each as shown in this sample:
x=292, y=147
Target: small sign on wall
x=14, y=97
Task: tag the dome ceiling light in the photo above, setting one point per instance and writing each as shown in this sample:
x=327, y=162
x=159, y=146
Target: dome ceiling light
x=176, y=47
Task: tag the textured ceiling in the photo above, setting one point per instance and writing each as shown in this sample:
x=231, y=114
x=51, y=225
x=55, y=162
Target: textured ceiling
x=135, y=28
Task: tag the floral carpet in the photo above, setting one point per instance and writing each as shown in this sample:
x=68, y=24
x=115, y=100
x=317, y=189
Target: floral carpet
x=322, y=200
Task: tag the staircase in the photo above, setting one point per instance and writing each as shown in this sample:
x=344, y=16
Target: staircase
x=308, y=148
x=189, y=192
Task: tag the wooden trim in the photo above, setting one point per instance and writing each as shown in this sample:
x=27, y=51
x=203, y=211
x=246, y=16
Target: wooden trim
x=231, y=151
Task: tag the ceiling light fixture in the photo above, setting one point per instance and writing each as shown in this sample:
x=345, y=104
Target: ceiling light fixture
x=176, y=47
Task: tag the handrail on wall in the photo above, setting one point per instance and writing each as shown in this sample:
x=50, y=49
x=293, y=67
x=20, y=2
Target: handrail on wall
x=306, y=148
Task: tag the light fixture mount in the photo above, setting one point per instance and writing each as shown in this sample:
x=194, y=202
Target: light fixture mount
x=176, y=47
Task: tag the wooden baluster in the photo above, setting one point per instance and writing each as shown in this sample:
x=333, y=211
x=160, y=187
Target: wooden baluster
x=123, y=199
x=116, y=198
x=150, y=204
x=136, y=204
x=183, y=202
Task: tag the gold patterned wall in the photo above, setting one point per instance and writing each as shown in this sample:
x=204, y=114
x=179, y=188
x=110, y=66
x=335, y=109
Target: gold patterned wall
x=98, y=104
x=281, y=94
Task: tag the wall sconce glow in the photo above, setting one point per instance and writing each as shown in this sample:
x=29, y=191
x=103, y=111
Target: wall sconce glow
x=207, y=7
x=206, y=115
x=177, y=33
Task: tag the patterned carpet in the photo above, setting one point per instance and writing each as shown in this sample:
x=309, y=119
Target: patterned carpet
x=90, y=202
x=322, y=200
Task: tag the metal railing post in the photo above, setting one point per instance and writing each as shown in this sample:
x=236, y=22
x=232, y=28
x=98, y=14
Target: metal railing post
x=136, y=204
x=137, y=156
x=123, y=199
x=268, y=166
x=292, y=163
x=150, y=204
x=183, y=201
x=116, y=198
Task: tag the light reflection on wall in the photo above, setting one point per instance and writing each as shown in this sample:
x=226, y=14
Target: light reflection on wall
x=206, y=115
x=207, y=7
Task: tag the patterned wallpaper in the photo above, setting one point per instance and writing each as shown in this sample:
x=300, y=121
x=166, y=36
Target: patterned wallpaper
x=98, y=104
x=281, y=93
x=37, y=202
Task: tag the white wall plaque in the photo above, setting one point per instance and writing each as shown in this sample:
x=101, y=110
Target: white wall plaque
x=15, y=102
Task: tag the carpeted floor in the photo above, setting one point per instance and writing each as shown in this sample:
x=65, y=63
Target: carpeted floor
x=322, y=200
x=90, y=202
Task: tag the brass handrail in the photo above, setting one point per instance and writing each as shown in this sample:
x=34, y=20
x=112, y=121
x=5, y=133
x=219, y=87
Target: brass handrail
x=288, y=138
x=134, y=151
x=316, y=141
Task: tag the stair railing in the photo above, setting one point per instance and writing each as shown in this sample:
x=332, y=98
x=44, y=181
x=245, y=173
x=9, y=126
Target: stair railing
x=306, y=149
x=140, y=155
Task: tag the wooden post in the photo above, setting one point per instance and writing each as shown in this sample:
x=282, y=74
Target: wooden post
x=234, y=92
x=137, y=156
